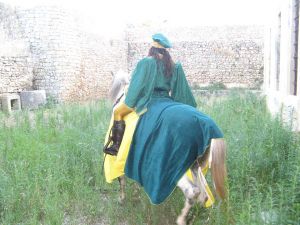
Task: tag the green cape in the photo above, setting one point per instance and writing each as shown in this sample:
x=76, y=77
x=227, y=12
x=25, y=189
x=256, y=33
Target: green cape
x=147, y=76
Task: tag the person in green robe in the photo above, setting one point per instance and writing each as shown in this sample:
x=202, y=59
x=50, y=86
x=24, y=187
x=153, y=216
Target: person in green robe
x=171, y=133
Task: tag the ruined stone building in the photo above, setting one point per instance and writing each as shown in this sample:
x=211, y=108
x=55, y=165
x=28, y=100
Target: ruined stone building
x=281, y=79
x=48, y=48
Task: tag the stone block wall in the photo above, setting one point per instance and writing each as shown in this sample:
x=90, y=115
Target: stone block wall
x=230, y=55
x=53, y=38
x=18, y=73
x=48, y=48
x=99, y=57
x=15, y=58
x=69, y=63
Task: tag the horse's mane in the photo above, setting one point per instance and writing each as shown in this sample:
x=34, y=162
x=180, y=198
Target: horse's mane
x=120, y=80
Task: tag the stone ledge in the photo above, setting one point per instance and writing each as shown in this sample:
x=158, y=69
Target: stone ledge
x=33, y=99
x=209, y=93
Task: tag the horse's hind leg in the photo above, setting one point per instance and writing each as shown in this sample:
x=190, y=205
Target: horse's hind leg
x=189, y=190
x=122, y=189
x=181, y=219
x=191, y=193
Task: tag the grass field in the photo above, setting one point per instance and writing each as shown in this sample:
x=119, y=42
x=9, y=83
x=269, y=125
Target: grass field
x=51, y=169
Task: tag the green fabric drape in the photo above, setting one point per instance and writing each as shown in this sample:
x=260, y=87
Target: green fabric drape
x=168, y=139
x=172, y=133
x=180, y=89
x=147, y=76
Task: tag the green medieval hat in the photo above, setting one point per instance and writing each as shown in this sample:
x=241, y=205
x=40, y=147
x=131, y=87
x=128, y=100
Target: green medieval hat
x=160, y=41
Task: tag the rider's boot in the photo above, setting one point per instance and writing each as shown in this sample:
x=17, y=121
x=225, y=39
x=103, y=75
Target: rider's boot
x=118, y=129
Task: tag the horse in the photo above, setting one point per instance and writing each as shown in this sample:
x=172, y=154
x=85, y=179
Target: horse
x=195, y=189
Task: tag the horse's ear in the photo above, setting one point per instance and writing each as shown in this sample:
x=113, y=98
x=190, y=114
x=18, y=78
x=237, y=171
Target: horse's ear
x=112, y=73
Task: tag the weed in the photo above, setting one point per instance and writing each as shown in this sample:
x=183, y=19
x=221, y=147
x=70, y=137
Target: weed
x=51, y=159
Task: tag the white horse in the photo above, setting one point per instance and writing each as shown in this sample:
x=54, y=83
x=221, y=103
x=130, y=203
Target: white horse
x=194, y=191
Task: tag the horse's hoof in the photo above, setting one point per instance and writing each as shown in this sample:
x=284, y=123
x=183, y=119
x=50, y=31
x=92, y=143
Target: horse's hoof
x=180, y=221
x=121, y=200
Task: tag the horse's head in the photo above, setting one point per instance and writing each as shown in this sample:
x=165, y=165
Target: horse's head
x=120, y=80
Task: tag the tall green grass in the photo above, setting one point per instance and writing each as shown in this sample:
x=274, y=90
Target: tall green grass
x=51, y=169
x=50, y=164
x=263, y=161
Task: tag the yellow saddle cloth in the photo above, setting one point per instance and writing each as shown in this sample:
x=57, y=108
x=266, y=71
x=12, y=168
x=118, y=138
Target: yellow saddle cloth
x=114, y=165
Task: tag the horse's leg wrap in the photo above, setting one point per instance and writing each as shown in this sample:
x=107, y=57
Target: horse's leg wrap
x=118, y=129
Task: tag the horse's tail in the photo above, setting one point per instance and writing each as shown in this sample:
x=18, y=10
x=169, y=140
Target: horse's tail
x=218, y=166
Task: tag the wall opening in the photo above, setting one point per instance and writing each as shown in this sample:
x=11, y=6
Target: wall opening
x=14, y=103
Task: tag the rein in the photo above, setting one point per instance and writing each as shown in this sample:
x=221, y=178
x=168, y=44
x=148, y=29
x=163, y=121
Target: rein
x=118, y=100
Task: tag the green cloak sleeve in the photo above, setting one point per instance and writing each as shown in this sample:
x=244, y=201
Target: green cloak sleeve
x=141, y=85
x=180, y=89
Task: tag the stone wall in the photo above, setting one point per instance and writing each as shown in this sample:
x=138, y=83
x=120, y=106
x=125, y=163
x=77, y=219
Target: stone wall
x=18, y=73
x=15, y=58
x=230, y=55
x=100, y=57
x=48, y=47
x=69, y=63
x=52, y=36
